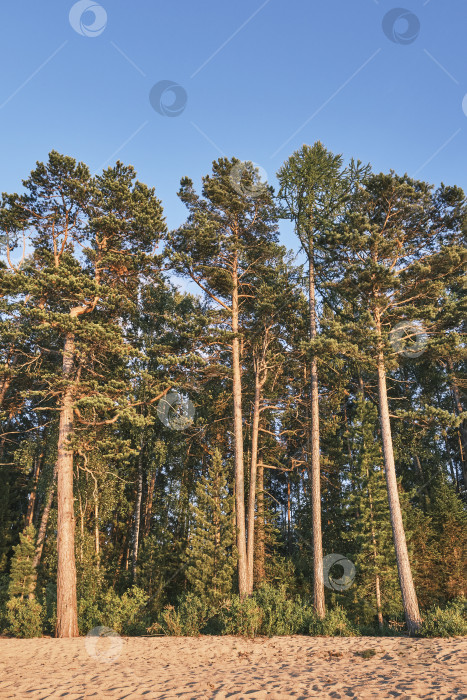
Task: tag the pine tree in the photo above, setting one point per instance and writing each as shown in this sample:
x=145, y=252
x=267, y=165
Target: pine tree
x=226, y=242
x=386, y=259
x=23, y=610
x=211, y=554
x=313, y=189
x=449, y=523
x=22, y=572
x=370, y=523
x=93, y=240
x=93, y=335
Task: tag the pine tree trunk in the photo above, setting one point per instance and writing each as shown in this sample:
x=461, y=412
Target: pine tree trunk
x=118, y=565
x=44, y=520
x=32, y=496
x=419, y=467
x=81, y=526
x=6, y=380
x=409, y=596
x=318, y=575
x=375, y=553
x=148, y=508
x=462, y=432
x=96, y=530
x=238, y=450
x=137, y=515
x=253, y=479
x=378, y=601
x=260, y=527
x=67, y=612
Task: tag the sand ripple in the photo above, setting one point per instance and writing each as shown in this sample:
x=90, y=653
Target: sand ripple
x=230, y=667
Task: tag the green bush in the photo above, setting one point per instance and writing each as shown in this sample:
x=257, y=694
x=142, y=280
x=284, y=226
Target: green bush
x=241, y=616
x=25, y=617
x=335, y=624
x=125, y=614
x=386, y=630
x=132, y=615
x=280, y=614
x=188, y=619
x=4, y=581
x=448, y=622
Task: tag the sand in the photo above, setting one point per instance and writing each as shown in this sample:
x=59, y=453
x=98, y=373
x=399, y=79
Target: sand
x=231, y=667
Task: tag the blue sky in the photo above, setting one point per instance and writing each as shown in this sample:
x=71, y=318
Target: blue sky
x=261, y=78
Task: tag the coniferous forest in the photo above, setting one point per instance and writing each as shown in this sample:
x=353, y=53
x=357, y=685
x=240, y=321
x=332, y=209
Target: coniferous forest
x=205, y=432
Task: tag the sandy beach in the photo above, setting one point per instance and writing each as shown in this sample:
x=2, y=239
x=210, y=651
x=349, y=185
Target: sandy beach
x=231, y=667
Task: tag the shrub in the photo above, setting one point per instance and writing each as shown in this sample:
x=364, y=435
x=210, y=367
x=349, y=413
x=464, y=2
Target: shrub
x=387, y=630
x=188, y=619
x=241, y=616
x=281, y=615
x=4, y=581
x=125, y=614
x=448, y=622
x=133, y=615
x=335, y=624
x=25, y=617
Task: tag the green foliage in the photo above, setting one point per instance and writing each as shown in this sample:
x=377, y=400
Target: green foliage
x=367, y=653
x=281, y=614
x=370, y=533
x=22, y=573
x=385, y=630
x=450, y=621
x=187, y=619
x=335, y=624
x=211, y=553
x=242, y=617
x=25, y=617
x=386, y=248
x=4, y=583
x=23, y=612
x=449, y=531
x=126, y=614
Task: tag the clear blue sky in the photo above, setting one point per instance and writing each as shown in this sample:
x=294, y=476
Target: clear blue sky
x=295, y=72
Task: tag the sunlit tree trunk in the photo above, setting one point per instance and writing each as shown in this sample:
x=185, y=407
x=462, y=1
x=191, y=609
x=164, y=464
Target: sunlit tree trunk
x=238, y=436
x=6, y=379
x=260, y=527
x=137, y=514
x=289, y=517
x=379, y=611
x=67, y=611
x=317, y=538
x=96, y=529
x=253, y=479
x=409, y=596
